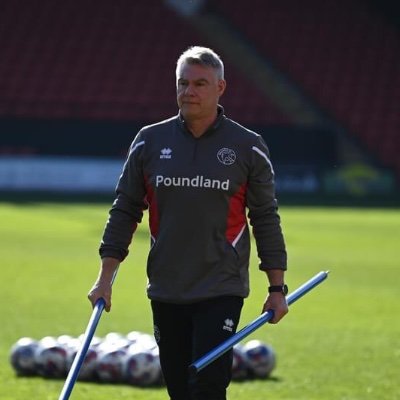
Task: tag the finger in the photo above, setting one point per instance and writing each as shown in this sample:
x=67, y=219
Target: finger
x=107, y=306
x=92, y=299
x=275, y=319
x=279, y=314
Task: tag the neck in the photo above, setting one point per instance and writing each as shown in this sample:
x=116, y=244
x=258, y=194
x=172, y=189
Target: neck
x=199, y=126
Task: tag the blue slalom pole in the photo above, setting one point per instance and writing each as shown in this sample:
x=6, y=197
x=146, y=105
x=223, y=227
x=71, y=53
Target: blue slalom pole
x=81, y=354
x=225, y=346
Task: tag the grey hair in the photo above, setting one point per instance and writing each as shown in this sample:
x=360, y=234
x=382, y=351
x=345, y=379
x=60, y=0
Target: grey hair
x=201, y=56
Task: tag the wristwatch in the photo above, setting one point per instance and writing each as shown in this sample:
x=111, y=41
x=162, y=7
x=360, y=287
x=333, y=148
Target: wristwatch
x=279, y=289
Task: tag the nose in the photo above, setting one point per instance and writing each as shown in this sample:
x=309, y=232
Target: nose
x=189, y=90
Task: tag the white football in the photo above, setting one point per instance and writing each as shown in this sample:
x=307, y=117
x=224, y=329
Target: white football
x=111, y=364
x=142, y=367
x=87, y=370
x=134, y=336
x=51, y=358
x=22, y=356
x=260, y=357
x=239, y=364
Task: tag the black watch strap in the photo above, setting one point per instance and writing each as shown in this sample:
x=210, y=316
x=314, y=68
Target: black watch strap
x=278, y=289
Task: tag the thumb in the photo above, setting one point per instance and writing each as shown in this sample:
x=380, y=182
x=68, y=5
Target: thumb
x=99, y=293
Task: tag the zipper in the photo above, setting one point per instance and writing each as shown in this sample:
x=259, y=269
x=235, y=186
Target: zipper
x=195, y=150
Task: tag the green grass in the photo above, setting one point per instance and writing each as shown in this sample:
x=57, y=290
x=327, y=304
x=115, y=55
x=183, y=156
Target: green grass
x=340, y=342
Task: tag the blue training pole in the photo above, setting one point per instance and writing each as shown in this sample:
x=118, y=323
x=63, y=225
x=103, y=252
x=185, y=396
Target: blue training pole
x=87, y=338
x=225, y=346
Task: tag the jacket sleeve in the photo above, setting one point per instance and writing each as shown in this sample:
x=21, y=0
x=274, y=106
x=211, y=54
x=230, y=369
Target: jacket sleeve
x=127, y=209
x=263, y=209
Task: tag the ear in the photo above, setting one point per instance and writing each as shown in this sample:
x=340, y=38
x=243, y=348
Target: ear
x=221, y=87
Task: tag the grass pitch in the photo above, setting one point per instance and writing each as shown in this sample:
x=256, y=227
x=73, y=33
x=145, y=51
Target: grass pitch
x=340, y=342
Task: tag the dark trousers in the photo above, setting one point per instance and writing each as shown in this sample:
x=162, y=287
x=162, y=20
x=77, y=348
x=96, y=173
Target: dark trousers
x=185, y=332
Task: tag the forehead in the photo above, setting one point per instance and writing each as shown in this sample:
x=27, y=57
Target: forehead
x=196, y=72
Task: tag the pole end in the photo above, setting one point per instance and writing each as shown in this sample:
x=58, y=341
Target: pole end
x=192, y=372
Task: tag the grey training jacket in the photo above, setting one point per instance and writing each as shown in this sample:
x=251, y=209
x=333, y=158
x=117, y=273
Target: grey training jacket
x=197, y=191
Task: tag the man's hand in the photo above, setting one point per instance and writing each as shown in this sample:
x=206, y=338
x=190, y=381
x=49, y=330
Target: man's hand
x=277, y=303
x=102, y=288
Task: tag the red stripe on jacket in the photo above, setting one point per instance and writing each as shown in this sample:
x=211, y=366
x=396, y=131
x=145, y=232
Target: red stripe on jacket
x=150, y=199
x=236, y=214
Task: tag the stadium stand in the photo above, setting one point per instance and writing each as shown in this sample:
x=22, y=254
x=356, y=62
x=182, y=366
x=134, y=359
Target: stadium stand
x=112, y=61
x=103, y=60
x=343, y=54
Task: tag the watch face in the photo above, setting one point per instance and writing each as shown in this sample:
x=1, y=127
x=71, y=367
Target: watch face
x=285, y=289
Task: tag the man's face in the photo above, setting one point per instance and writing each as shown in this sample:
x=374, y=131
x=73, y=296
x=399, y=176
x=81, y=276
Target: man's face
x=198, y=90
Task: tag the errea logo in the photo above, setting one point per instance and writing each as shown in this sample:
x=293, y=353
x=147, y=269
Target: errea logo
x=228, y=325
x=166, y=153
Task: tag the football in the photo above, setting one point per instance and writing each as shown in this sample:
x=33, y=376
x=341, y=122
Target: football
x=22, y=356
x=110, y=365
x=51, y=358
x=260, y=357
x=142, y=367
x=239, y=364
x=87, y=371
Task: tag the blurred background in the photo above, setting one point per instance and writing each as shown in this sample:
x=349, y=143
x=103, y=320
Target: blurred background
x=320, y=80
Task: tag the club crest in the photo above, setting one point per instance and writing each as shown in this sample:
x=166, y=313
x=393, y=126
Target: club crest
x=226, y=156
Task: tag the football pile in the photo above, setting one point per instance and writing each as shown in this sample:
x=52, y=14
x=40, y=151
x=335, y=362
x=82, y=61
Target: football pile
x=131, y=359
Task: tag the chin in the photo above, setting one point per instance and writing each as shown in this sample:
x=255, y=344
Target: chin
x=189, y=112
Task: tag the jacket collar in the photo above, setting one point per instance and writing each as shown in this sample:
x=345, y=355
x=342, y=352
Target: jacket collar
x=212, y=128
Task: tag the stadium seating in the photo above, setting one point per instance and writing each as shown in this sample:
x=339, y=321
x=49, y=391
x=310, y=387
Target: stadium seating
x=104, y=60
x=343, y=55
x=114, y=60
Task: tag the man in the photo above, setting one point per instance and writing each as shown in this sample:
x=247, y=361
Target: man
x=196, y=173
